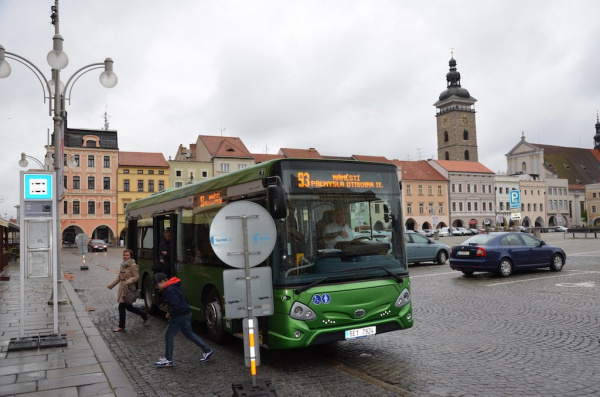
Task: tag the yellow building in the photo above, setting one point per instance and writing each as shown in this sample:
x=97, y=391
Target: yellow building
x=139, y=175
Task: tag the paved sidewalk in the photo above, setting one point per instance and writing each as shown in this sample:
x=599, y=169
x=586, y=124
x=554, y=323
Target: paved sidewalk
x=85, y=367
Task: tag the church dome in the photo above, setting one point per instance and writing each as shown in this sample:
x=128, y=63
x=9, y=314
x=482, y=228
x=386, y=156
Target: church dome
x=453, y=83
x=454, y=90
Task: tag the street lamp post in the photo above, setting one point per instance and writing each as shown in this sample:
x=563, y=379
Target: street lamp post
x=58, y=60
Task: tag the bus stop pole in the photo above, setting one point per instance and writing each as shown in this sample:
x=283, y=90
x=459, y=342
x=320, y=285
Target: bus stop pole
x=249, y=301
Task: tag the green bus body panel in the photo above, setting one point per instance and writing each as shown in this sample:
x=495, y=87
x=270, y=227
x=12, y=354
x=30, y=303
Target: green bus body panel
x=376, y=298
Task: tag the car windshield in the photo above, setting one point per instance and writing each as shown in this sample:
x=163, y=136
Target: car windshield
x=479, y=239
x=97, y=241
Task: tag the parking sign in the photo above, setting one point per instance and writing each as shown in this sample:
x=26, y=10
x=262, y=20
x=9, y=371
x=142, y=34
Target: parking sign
x=515, y=199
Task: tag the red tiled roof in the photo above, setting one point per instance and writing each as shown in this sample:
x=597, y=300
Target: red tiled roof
x=261, y=158
x=418, y=170
x=142, y=159
x=225, y=146
x=300, y=153
x=464, y=166
x=377, y=159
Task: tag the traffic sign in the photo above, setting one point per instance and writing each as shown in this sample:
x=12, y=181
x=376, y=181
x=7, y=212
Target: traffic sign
x=515, y=199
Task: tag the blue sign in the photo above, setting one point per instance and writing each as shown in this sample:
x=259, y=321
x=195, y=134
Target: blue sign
x=316, y=299
x=515, y=199
x=37, y=187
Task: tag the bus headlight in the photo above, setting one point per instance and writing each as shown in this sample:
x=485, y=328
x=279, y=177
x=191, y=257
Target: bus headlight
x=302, y=312
x=403, y=298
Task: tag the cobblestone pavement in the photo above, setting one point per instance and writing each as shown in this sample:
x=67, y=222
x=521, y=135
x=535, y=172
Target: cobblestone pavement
x=535, y=333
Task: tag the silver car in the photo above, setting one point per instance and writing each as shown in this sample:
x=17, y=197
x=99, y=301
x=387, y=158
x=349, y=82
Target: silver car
x=421, y=249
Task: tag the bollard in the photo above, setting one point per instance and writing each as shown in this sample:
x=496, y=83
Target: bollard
x=83, y=265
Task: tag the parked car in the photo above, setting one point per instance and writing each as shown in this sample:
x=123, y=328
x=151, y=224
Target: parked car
x=95, y=245
x=444, y=232
x=561, y=229
x=426, y=232
x=474, y=231
x=456, y=232
x=421, y=249
x=505, y=252
x=465, y=231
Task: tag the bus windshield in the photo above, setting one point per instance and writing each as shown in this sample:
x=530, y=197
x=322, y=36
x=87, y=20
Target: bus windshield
x=343, y=223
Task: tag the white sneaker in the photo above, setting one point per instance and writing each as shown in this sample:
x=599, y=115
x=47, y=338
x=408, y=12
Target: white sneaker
x=207, y=356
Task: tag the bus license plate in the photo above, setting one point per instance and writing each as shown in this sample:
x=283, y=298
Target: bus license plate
x=360, y=332
x=463, y=253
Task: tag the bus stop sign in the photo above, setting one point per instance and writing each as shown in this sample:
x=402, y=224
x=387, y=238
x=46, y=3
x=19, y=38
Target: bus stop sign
x=227, y=234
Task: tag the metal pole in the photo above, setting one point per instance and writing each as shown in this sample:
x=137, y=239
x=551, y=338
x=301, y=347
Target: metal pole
x=251, y=324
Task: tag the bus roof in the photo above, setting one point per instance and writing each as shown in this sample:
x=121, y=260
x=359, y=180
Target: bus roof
x=184, y=195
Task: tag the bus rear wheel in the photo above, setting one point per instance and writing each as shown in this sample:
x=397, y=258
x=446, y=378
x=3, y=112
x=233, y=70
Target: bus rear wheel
x=147, y=290
x=213, y=317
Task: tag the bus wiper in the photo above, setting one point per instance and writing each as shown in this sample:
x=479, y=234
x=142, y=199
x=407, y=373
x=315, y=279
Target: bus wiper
x=309, y=286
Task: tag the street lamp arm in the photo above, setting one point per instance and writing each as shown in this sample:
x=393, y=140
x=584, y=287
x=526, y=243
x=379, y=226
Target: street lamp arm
x=38, y=73
x=77, y=75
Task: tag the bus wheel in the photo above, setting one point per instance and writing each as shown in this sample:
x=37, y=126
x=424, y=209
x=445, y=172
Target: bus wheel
x=148, y=288
x=213, y=317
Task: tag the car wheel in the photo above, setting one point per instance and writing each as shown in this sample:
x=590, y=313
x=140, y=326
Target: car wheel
x=442, y=257
x=557, y=263
x=468, y=273
x=505, y=268
x=213, y=317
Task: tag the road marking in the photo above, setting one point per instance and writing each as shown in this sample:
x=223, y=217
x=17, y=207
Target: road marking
x=576, y=273
x=585, y=253
x=432, y=274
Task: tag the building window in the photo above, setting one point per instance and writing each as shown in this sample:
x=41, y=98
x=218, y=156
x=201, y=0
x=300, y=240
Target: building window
x=377, y=209
x=150, y=172
x=65, y=181
x=524, y=167
x=126, y=171
x=140, y=185
x=430, y=190
x=467, y=155
x=65, y=207
x=408, y=190
x=76, y=182
x=453, y=188
x=91, y=183
x=106, y=161
x=501, y=206
x=241, y=166
x=469, y=206
x=439, y=190
x=594, y=209
x=178, y=184
x=453, y=206
x=468, y=188
x=535, y=206
x=91, y=161
x=528, y=207
x=440, y=208
x=409, y=208
x=431, y=208
x=446, y=138
x=465, y=135
x=90, y=143
x=475, y=207
x=140, y=172
x=178, y=173
x=126, y=185
x=161, y=186
x=91, y=207
x=161, y=172
x=447, y=156
x=460, y=207
x=421, y=208
x=204, y=174
x=420, y=190
x=151, y=186
x=125, y=207
x=76, y=158
x=75, y=207
x=475, y=188
x=106, y=183
x=460, y=187
x=107, y=207
x=224, y=167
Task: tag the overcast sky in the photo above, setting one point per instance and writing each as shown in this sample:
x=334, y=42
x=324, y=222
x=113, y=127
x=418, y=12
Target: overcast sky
x=345, y=77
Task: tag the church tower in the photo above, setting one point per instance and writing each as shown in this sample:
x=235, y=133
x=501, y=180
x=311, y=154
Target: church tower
x=456, y=130
x=597, y=136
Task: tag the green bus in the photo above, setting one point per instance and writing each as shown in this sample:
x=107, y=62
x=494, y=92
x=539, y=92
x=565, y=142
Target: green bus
x=338, y=267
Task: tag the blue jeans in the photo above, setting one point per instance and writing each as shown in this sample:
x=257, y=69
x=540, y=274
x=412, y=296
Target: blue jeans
x=183, y=323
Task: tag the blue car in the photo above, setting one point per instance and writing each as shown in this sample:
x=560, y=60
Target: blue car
x=505, y=252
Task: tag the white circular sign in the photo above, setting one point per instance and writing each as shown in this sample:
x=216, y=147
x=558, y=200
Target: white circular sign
x=227, y=234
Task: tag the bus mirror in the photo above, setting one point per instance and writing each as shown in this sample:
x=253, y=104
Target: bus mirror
x=277, y=201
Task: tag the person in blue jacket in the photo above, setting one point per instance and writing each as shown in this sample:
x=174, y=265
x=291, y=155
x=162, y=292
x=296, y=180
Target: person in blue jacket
x=180, y=319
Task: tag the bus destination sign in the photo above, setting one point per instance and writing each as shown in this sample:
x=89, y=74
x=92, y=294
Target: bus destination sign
x=350, y=180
